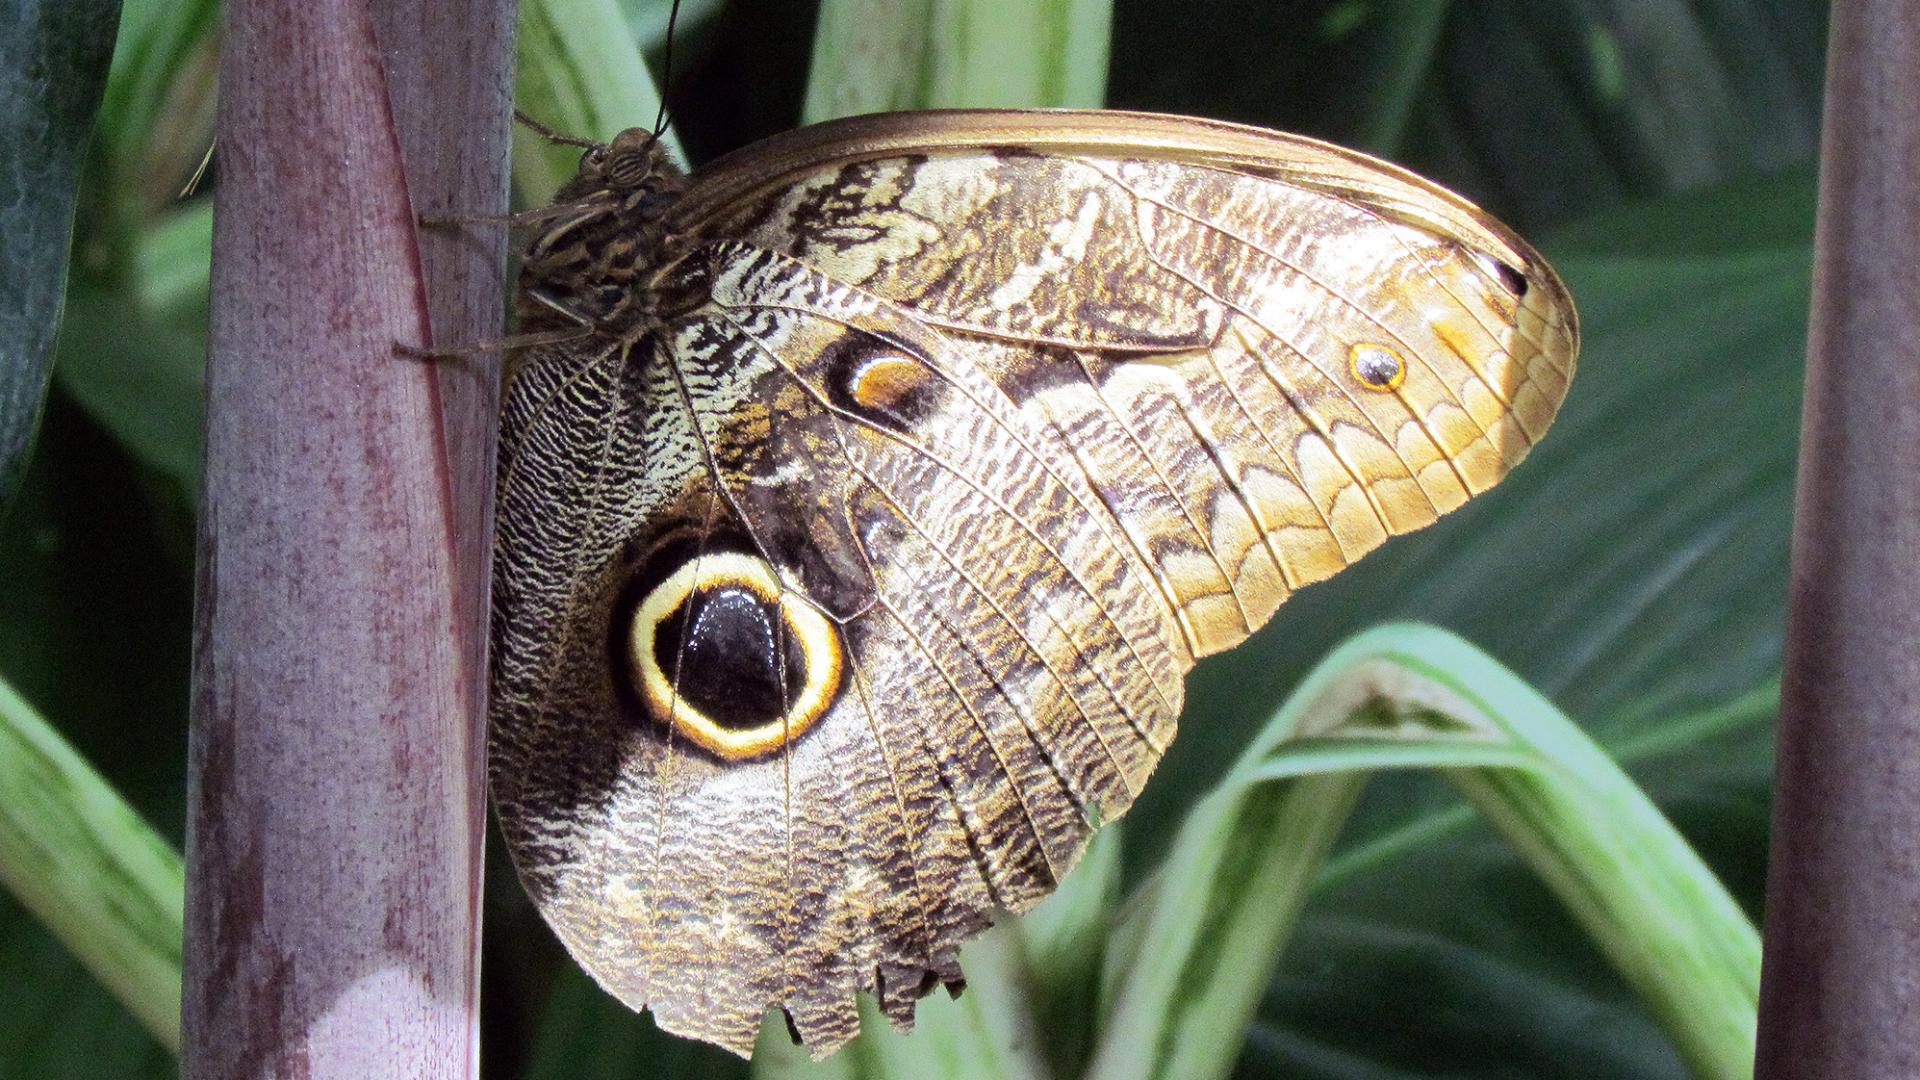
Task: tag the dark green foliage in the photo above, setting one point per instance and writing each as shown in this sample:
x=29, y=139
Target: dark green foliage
x=53, y=66
x=1633, y=570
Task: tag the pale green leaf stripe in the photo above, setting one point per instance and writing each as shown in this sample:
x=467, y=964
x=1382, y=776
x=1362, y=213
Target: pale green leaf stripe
x=881, y=55
x=1755, y=707
x=1406, y=696
x=581, y=74
x=89, y=869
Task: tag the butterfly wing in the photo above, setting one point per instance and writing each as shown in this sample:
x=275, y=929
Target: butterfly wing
x=835, y=616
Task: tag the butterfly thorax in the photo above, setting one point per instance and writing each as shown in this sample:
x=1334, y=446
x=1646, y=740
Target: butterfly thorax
x=594, y=264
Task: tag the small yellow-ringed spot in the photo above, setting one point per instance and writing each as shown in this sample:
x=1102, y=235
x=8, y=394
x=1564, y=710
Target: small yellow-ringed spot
x=1376, y=366
x=720, y=652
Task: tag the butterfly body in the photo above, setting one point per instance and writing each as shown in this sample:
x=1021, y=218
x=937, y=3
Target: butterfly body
x=851, y=560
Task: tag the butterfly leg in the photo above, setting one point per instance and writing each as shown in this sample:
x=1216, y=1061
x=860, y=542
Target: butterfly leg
x=501, y=344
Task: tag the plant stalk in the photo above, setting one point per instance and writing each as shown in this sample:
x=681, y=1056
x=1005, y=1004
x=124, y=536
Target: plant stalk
x=1839, y=997
x=335, y=804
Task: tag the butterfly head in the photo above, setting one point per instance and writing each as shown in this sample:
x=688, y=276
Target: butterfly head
x=589, y=266
x=634, y=163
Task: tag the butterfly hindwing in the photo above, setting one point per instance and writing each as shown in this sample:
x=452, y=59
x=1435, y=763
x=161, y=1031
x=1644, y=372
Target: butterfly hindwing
x=842, y=594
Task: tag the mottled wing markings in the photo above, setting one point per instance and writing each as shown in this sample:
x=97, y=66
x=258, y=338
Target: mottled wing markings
x=1034, y=430
x=971, y=580
x=1323, y=427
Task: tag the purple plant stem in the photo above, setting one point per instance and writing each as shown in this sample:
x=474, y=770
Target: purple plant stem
x=335, y=816
x=1840, y=978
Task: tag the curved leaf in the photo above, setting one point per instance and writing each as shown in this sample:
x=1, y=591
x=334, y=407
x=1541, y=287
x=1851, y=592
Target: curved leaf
x=53, y=67
x=89, y=868
x=1402, y=696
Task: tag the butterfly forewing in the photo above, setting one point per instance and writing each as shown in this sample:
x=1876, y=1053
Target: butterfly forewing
x=839, y=603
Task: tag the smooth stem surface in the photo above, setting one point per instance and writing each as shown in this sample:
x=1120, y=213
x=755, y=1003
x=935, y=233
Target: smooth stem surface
x=1840, y=986
x=334, y=812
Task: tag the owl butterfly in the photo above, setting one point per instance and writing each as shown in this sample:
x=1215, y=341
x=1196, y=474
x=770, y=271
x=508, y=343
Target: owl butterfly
x=878, y=485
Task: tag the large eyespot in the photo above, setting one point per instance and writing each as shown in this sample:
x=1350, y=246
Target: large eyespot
x=1376, y=366
x=726, y=657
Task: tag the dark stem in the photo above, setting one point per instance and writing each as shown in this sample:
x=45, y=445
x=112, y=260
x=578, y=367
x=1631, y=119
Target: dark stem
x=335, y=811
x=1839, y=995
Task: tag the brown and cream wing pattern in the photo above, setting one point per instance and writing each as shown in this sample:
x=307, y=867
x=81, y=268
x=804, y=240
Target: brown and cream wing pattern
x=1200, y=313
x=834, y=615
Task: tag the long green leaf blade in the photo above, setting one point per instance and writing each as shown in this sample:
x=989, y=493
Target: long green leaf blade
x=88, y=868
x=876, y=55
x=1411, y=696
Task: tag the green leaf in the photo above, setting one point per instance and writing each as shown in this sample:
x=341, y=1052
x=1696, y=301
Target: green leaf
x=134, y=353
x=878, y=55
x=1541, y=110
x=1411, y=696
x=581, y=74
x=94, y=631
x=1067, y=952
x=53, y=66
x=89, y=869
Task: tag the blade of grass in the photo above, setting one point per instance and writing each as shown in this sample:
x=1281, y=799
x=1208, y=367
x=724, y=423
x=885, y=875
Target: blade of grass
x=1411, y=696
x=877, y=55
x=89, y=869
x=1757, y=707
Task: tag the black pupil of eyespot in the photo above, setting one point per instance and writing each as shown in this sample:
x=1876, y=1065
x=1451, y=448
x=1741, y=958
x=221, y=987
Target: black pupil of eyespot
x=729, y=654
x=1377, y=368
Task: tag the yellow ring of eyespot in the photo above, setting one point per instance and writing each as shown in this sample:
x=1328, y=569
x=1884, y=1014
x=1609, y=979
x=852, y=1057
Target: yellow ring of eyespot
x=1354, y=355
x=819, y=644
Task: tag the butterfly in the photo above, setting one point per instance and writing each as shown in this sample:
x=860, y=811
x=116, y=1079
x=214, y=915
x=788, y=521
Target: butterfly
x=868, y=494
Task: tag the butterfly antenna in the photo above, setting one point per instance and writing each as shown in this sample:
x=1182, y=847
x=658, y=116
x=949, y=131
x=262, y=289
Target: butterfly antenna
x=551, y=135
x=666, y=71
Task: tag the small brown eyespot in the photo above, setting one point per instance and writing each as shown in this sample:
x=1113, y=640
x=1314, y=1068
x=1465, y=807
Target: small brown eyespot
x=1376, y=366
x=880, y=382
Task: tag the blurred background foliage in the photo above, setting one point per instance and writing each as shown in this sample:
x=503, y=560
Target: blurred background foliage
x=1660, y=151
